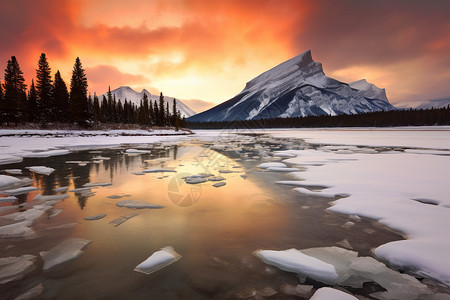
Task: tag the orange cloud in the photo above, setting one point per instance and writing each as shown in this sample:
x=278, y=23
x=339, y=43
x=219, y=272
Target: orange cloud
x=208, y=49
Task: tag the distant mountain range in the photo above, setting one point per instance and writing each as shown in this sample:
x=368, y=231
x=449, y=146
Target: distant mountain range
x=126, y=92
x=437, y=103
x=294, y=88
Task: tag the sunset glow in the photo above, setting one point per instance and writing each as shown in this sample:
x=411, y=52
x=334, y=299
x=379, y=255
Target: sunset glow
x=208, y=50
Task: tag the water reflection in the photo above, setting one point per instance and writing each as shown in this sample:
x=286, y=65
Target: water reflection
x=214, y=229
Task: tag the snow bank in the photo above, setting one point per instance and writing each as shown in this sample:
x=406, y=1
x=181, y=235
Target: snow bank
x=158, y=260
x=65, y=252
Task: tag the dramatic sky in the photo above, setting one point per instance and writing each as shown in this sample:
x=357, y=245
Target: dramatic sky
x=208, y=50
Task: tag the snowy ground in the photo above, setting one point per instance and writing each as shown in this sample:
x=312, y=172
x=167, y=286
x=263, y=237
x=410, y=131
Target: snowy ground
x=398, y=176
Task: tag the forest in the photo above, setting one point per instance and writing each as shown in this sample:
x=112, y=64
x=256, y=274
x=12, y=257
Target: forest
x=410, y=117
x=49, y=101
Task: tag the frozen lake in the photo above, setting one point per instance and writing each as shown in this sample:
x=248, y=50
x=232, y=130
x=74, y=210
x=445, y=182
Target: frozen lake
x=379, y=193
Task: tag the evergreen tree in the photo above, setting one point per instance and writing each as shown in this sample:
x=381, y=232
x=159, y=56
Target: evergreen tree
x=175, y=115
x=14, y=95
x=60, y=97
x=44, y=91
x=97, y=112
x=104, y=110
x=156, y=113
x=151, y=113
x=167, y=115
x=161, y=110
x=32, y=103
x=1, y=93
x=78, y=95
x=120, y=115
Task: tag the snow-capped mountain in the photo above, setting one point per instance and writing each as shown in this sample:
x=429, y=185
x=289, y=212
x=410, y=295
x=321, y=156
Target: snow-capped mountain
x=437, y=103
x=294, y=88
x=125, y=92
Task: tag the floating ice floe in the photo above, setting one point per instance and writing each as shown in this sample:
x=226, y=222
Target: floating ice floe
x=19, y=191
x=137, y=204
x=137, y=151
x=195, y=179
x=100, y=158
x=334, y=265
x=40, y=197
x=61, y=189
x=65, y=252
x=219, y=184
x=7, y=181
x=33, y=293
x=16, y=230
x=92, y=184
x=14, y=171
x=158, y=260
x=95, y=217
x=41, y=170
x=80, y=190
x=158, y=170
x=8, y=199
x=116, y=222
x=327, y=293
x=138, y=173
x=271, y=165
x=15, y=268
x=215, y=178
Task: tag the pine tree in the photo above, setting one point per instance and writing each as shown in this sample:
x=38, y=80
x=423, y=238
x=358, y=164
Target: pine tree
x=1, y=93
x=151, y=113
x=161, y=110
x=78, y=95
x=156, y=113
x=32, y=103
x=60, y=98
x=167, y=116
x=175, y=115
x=97, y=113
x=104, y=110
x=14, y=95
x=44, y=90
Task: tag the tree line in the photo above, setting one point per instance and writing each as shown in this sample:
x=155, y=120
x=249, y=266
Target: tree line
x=410, y=117
x=49, y=100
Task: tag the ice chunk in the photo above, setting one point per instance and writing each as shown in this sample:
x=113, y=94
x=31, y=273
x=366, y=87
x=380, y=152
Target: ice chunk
x=20, y=229
x=271, y=165
x=100, y=158
x=15, y=268
x=219, y=184
x=80, y=190
x=227, y=171
x=137, y=204
x=303, y=291
x=8, y=199
x=65, y=252
x=293, y=260
x=95, y=217
x=194, y=179
x=41, y=170
x=13, y=171
x=9, y=159
x=158, y=170
x=327, y=293
x=138, y=173
x=33, y=293
x=40, y=197
x=116, y=222
x=133, y=151
x=19, y=191
x=282, y=169
x=61, y=189
x=6, y=181
x=158, y=260
x=89, y=184
x=216, y=178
